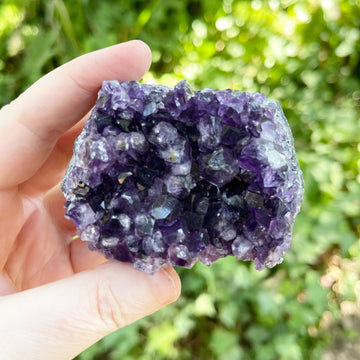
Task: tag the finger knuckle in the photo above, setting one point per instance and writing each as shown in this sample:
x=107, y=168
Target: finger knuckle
x=108, y=308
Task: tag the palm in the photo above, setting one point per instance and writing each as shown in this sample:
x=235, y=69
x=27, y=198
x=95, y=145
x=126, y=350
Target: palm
x=49, y=258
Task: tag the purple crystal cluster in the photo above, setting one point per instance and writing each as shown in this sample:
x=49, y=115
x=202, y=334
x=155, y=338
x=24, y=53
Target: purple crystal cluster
x=171, y=176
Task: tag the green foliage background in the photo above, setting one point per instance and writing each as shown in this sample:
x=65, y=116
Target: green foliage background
x=304, y=54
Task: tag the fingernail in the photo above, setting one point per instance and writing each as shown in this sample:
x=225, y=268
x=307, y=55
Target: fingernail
x=173, y=283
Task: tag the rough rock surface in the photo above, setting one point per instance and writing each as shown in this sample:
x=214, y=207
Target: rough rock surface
x=171, y=176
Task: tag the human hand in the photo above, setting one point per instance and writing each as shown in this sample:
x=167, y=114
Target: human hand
x=56, y=297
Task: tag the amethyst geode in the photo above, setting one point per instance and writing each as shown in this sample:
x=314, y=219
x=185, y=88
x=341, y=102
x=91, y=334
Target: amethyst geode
x=171, y=176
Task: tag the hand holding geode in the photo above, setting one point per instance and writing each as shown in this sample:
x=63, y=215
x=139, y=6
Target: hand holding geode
x=171, y=176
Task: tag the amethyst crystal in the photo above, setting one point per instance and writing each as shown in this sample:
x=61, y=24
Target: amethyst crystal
x=171, y=176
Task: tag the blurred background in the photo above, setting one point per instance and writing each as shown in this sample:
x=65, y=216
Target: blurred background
x=305, y=54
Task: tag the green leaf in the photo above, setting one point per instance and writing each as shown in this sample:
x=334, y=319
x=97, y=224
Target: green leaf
x=161, y=340
x=222, y=342
x=204, y=306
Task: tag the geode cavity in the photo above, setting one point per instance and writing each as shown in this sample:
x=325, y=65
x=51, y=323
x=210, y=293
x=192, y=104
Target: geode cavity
x=171, y=176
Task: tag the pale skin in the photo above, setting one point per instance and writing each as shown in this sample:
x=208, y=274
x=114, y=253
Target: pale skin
x=56, y=297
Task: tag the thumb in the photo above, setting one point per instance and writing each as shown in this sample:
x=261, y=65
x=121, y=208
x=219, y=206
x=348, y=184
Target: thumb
x=61, y=319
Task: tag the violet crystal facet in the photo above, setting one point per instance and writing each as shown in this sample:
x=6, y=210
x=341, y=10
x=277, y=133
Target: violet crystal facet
x=171, y=176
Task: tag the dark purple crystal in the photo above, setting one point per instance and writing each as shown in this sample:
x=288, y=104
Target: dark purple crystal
x=171, y=176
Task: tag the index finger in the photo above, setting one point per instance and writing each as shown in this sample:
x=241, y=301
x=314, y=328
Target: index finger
x=31, y=124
